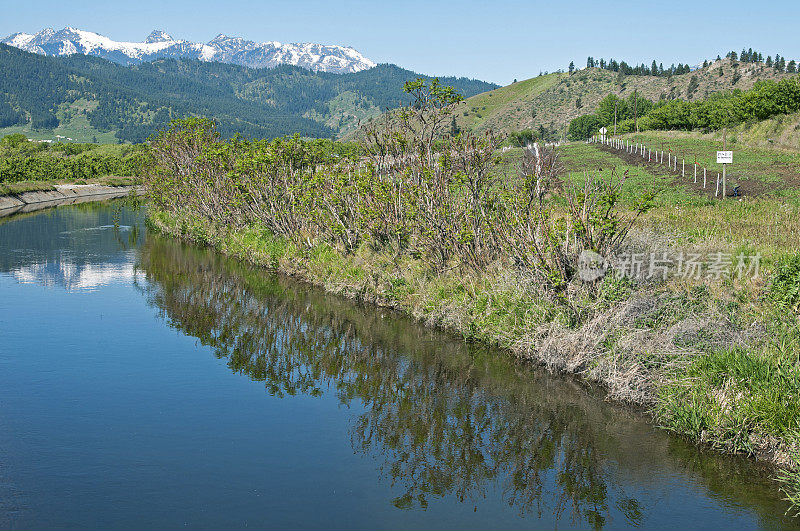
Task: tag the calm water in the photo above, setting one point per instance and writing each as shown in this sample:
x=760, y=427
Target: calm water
x=145, y=383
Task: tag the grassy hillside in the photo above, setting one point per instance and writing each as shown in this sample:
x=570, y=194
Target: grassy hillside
x=506, y=103
x=555, y=99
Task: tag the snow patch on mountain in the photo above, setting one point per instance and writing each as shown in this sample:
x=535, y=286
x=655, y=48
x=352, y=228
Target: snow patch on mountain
x=225, y=49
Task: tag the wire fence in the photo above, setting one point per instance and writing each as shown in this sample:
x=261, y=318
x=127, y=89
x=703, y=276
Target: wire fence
x=722, y=183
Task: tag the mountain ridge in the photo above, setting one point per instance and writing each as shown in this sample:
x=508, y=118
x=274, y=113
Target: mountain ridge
x=161, y=45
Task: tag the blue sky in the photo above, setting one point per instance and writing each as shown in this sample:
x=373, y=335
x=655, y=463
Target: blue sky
x=497, y=41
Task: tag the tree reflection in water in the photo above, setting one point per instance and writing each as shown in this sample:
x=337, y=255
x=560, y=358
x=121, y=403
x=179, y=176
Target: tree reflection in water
x=444, y=418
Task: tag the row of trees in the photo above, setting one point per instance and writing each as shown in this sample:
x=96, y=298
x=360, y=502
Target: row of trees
x=749, y=56
x=767, y=98
x=612, y=109
x=655, y=69
x=21, y=160
x=417, y=191
x=779, y=63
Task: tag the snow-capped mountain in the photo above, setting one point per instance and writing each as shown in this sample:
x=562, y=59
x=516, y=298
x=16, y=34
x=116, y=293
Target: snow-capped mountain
x=159, y=44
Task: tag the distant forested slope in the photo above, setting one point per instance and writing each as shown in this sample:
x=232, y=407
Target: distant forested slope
x=46, y=93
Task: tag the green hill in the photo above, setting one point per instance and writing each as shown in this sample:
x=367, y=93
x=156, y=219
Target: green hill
x=91, y=99
x=553, y=100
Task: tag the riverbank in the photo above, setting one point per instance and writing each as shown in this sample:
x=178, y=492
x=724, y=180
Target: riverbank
x=60, y=194
x=683, y=305
x=708, y=362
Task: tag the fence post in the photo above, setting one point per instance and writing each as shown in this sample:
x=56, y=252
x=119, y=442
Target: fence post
x=683, y=168
x=716, y=194
x=704, y=178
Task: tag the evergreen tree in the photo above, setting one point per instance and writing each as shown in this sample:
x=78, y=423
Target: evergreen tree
x=454, y=129
x=693, y=84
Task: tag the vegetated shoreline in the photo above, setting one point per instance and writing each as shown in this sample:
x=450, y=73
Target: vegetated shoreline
x=367, y=277
x=426, y=219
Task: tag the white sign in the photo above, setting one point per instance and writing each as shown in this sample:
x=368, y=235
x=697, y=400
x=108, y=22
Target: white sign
x=603, y=130
x=724, y=157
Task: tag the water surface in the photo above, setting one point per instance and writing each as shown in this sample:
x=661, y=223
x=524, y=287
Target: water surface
x=146, y=383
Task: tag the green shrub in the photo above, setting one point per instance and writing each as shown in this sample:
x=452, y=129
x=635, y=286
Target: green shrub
x=785, y=288
x=584, y=127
